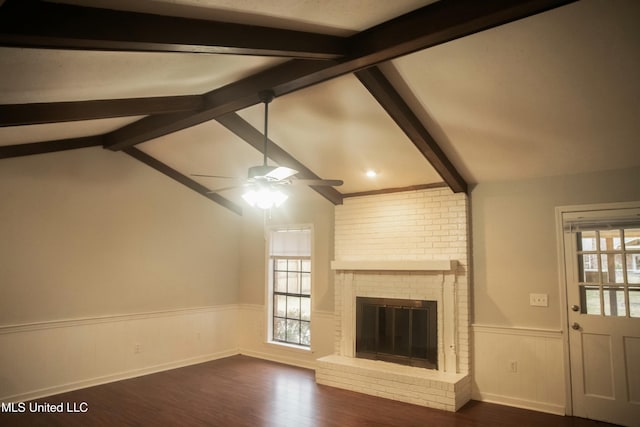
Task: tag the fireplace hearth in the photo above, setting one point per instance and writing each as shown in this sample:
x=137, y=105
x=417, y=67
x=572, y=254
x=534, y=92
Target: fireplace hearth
x=400, y=331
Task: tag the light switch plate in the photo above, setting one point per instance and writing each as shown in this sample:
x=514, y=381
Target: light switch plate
x=539, y=300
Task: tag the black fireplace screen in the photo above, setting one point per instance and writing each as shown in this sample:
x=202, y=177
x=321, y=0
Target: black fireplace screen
x=397, y=330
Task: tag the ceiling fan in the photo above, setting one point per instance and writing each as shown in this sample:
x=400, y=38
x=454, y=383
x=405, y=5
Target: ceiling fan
x=264, y=181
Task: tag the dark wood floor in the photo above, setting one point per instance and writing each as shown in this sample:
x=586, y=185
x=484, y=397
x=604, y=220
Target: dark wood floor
x=243, y=391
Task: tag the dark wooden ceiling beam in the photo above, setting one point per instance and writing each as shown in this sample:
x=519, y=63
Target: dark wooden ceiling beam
x=227, y=99
x=255, y=138
x=386, y=95
x=437, y=23
x=182, y=179
x=53, y=112
x=38, y=24
x=396, y=190
x=440, y=22
x=18, y=150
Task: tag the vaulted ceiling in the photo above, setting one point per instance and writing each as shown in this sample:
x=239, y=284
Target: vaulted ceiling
x=426, y=93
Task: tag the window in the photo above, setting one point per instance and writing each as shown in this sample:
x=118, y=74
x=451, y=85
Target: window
x=608, y=273
x=290, y=286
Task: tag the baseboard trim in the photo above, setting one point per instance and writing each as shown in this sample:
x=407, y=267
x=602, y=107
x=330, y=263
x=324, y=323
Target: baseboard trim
x=280, y=359
x=533, y=405
x=36, y=394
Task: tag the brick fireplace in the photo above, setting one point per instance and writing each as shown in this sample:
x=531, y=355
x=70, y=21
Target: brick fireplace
x=411, y=246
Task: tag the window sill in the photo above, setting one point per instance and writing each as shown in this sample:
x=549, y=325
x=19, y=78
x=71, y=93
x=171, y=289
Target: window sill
x=294, y=347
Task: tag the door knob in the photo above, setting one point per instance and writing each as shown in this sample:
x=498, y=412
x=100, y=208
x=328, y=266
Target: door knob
x=575, y=326
x=575, y=307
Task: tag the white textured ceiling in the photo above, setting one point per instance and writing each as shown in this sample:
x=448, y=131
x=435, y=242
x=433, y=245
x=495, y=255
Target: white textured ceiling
x=341, y=132
x=41, y=75
x=553, y=94
x=54, y=131
x=337, y=17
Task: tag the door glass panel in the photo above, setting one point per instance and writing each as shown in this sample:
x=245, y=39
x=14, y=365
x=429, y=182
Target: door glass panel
x=588, y=266
x=634, y=301
x=633, y=268
x=612, y=269
x=610, y=258
x=590, y=299
x=610, y=240
x=614, y=304
x=632, y=239
x=587, y=241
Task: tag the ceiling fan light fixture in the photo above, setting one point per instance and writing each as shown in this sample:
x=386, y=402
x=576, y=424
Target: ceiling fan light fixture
x=264, y=197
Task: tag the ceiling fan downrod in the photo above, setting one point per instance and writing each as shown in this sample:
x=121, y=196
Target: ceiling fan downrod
x=266, y=96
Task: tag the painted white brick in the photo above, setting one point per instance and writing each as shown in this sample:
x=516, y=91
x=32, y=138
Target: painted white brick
x=414, y=225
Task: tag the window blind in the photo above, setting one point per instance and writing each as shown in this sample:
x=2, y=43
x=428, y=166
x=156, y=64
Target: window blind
x=290, y=242
x=574, y=222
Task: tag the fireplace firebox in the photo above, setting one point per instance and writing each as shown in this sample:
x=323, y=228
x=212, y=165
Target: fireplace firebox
x=397, y=330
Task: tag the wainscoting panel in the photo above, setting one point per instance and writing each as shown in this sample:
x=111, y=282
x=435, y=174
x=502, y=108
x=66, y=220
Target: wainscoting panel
x=519, y=367
x=253, y=338
x=46, y=358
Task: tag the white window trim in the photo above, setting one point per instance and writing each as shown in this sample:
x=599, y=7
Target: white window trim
x=269, y=287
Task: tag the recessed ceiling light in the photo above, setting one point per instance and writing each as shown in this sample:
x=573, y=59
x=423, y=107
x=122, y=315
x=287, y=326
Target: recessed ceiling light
x=371, y=173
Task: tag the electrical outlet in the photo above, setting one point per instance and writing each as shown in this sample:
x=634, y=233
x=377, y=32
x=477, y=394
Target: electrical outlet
x=137, y=348
x=539, y=300
x=513, y=366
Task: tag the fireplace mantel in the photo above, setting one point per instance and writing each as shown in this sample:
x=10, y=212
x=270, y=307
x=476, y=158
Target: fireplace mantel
x=399, y=265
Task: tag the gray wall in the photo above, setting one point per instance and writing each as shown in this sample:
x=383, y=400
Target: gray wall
x=90, y=232
x=515, y=244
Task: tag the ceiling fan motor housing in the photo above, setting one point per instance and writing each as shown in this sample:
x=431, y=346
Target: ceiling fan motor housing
x=260, y=171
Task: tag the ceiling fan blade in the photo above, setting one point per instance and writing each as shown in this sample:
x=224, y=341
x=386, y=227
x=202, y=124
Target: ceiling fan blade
x=281, y=173
x=318, y=182
x=215, y=176
x=223, y=189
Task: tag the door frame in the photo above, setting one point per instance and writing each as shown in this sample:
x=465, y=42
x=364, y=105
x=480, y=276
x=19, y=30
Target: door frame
x=562, y=275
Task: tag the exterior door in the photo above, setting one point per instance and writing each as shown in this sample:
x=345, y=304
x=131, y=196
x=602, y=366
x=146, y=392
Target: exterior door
x=602, y=260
